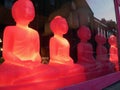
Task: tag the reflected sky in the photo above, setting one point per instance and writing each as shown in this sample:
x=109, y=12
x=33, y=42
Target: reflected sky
x=103, y=9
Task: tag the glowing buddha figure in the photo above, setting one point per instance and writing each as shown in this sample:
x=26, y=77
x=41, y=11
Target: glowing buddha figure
x=59, y=46
x=113, y=51
x=20, y=42
x=84, y=49
x=101, y=53
x=101, y=50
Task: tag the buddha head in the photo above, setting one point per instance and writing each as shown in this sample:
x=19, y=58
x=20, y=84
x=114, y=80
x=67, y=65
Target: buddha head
x=112, y=40
x=100, y=39
x=84, y=33
x=23, y=11
x=59, y=25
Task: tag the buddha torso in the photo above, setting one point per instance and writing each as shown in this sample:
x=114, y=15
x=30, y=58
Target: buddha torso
x=62, y=47
x=101, y=53
x=25, y=43
x=85, y=52
x=61, y=53
x=113, y=53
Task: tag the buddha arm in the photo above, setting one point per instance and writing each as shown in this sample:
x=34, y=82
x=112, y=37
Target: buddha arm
x=37, y=50
x=53, y=48
x=8, y=45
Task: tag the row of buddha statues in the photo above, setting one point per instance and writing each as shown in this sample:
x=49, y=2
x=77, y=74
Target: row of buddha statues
x=21, y=44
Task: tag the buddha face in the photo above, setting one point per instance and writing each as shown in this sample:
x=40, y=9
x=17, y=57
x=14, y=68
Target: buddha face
x=84, y=33
x=23, y=11
x=59, y=25
x=112, y=40
x=100, y=39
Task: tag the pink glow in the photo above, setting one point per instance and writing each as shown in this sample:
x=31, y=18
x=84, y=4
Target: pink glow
x=20, y=42
x=59, y=46
x=113, y=51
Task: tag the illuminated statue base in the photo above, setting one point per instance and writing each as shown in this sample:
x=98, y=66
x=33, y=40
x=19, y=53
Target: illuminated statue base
x=44, y=77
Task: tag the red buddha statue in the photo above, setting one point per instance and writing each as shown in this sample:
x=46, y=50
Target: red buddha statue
x=102, y=55
x=101, y=50
x=59, y=46
x=20, y=42
x=113, y=51
x=84, y=49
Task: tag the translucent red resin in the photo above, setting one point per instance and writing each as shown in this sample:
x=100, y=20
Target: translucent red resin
x=59, y=46
x=113, y=51
x=21, y=43
x=21, y=46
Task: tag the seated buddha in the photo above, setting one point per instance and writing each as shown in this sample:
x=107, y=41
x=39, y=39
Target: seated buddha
x=101, y=50
x=59, y=46
x=102, y=54
x=84, y=49
x=20, y=42
x=113, y=51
